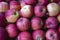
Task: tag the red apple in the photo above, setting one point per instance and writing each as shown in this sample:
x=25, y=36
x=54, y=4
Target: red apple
x=12, y=30
x=22, y=3
x=2, y=19
x=15, y=5
x=23, y=24
x=24, y=36
x=38, y=35
x=51, y=22
x=51, y=34
x=12, y=16
x=58, y=17
x=43, y=2
x=36, y=23
x=3, y=34
x=3, y=6
x=53, y=9
x=26, y=11
x=40, y=10
x=30, y=2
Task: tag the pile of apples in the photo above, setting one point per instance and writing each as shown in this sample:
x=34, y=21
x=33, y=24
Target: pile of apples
x=30, y=20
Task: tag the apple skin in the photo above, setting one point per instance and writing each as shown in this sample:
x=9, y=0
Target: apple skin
x=2, y=19
x=53, y=9
x=40, y=10
x=15, y=5
x=51, y=22
x=12, y=16
x=3, y=34
x=58, y=17
x=30, y=2
x=22, y=3
x=36, y=23
x=24, y=36
x=12, y=30
x=43, y=2
x=3, y=6
x=38, y=34
x=52, y=34
x=23, y=24
x=26, y=11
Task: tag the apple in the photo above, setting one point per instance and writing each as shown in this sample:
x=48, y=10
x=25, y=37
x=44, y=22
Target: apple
x=40, y=10
x=12, y=16
x=22, y=4
x=26, y=11
x=59, y=29
x=30, y=2
x=12, y=30
x=53, y=9
x=3, y=6
x=43, y=2
x=36, y=23
x=23, y=24
x=24, y=36
x=15, y=5
x=54, y=1
x=3, y=34
x=52, y=34
x=51, y=22
x=38, y=35
x=58, y=17
x=2, y=19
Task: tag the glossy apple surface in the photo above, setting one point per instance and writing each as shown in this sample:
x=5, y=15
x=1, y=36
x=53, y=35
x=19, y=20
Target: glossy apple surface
x=53, y=9
x=38, y=35
x=12, y=30
x=36, y=23
x=23, y=24
x=24, y=36
x=51, y=22
x=12, y=16
x=51, y=34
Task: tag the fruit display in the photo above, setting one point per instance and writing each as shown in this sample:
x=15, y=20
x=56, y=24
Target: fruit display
x=29, y=19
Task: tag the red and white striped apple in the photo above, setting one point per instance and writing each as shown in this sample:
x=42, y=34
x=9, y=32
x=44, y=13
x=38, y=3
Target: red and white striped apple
x=38, y=35
x=24, y=36
x=53, y=9
x=12, y=30
x=52, y=34
x=23, y=24
x=3, y=6
x=12, y=16
x=15, y=5
x=36, y=23
x=26, y=11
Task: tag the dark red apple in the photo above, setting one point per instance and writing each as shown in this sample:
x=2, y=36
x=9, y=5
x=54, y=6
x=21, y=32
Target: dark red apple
x=12, y=30
x=15, y=5
x=3, y=34
x=3, y=6
x=58, y=17
x=51, y=34
x=40, y=10
x=23, y=24
x=43, y=2
x=2, y=19
x=38, y=35
x=53, y=9
x=51, y=22
x=24, y=36
x=36, y=23
x=26, y=11
x=30, y=2
x=12, y=16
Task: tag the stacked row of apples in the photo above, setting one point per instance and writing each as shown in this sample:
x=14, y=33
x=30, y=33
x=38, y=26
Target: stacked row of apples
x=30, y=20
